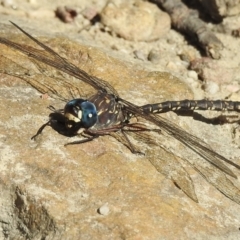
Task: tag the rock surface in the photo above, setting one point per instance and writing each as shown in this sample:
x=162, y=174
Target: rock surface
x=53, y=192
x=136, y=20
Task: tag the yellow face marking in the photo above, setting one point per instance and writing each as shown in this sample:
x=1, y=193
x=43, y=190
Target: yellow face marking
x=80, y=115
x=100, y=103
x=100, y=112
x=71, y=117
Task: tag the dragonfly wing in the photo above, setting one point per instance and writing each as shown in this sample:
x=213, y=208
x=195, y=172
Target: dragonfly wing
x=51, y=58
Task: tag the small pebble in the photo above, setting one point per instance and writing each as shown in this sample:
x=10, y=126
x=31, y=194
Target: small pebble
x=211, y=87
x=192, y=74
x=66, y=14
x=104, y=209
x=187, y=55
x=171, y=66
x=89, y=13
x=139, y=55
x=44, y=96
x=7, y=3
x=154, y=56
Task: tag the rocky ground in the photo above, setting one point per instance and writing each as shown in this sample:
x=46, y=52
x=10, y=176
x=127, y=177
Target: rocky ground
x=100, y=190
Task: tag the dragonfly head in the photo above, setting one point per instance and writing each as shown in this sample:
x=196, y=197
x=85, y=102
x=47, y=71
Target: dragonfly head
x=81, y=113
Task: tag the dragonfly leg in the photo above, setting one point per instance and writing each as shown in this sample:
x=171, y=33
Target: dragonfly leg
x=56, y=119
x=218, y=120
x=87, y=139
x=130, y=145
x=48, y=123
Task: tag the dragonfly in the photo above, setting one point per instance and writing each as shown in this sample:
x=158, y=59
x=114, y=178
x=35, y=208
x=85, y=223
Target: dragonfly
x=106, y=113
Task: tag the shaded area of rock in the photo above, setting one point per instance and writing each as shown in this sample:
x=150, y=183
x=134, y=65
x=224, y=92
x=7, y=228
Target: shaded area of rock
x=187, y=20
x=219, y=9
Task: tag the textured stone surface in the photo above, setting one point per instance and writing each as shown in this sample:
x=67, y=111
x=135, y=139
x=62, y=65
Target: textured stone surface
x=216, y=73
x=52, y=192
x=136, y=20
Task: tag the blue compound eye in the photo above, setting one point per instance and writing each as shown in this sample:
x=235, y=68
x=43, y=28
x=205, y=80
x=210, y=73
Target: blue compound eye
x=80, y=112
x=89, y=114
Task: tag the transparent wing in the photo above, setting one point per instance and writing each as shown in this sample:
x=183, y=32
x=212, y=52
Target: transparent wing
x=51, y=58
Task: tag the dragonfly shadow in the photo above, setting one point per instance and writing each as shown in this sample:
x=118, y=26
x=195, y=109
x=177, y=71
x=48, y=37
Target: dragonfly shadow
x=58, y=123
x=218, y=120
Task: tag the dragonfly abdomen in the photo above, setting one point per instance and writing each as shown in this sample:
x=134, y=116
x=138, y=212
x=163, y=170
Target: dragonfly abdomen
x=216, y=105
